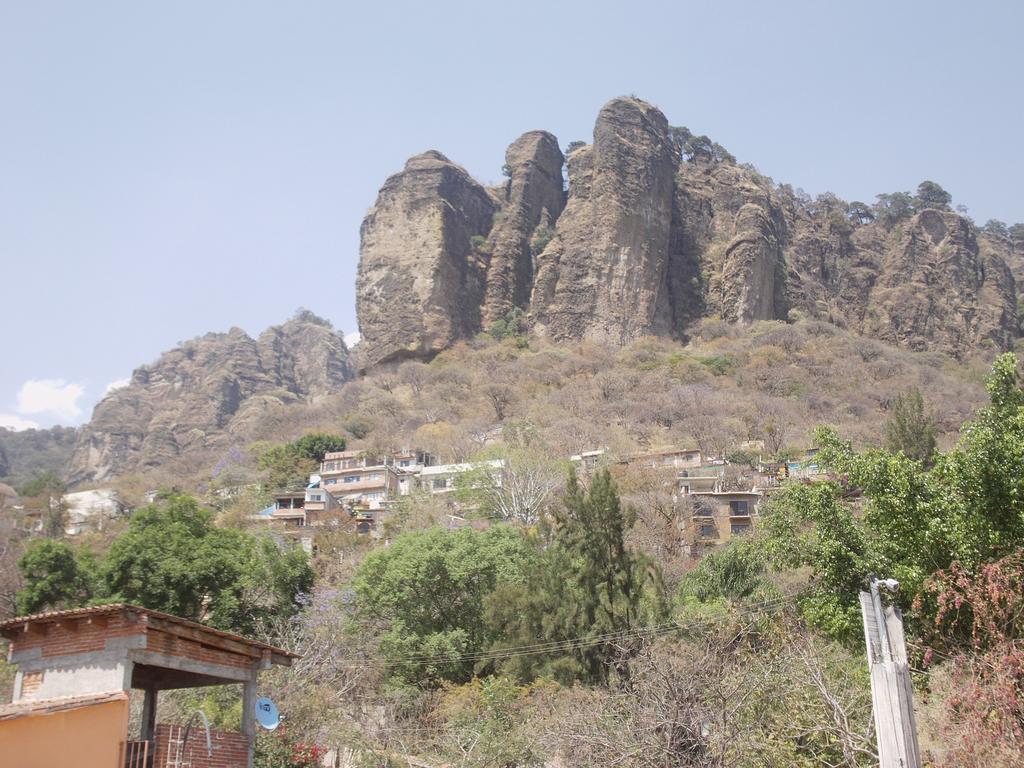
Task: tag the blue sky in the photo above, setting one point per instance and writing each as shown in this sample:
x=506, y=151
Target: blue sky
x=168, y=169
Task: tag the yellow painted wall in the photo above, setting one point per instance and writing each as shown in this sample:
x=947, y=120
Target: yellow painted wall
x=88, y=737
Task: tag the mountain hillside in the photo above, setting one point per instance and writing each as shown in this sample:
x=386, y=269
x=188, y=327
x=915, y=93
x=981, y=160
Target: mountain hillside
x=199, y=393
x=30, y=452
x=659, y=228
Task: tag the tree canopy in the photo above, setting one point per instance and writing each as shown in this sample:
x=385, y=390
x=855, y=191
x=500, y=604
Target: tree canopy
x=288, y=466
x=967, y=508
x=428, y=590
x=173, y=558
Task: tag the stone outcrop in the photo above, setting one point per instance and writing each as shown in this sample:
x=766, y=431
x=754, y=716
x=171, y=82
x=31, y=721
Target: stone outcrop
x=421, y=270
x=647, y=243
x=195, y=394
x=532, y=202
x=733, y=233
x=602, y=277
x=937, y=290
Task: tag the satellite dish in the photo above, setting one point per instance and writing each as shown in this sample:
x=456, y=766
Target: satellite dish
x=266, y=713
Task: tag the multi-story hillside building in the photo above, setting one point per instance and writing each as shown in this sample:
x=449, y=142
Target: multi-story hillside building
x=717, y=516
x=358, y=477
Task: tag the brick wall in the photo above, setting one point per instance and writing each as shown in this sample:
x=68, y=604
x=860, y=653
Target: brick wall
x=77, y=636
x=229, y=747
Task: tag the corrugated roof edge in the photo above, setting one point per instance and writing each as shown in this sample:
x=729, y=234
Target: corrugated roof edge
x=99, y=610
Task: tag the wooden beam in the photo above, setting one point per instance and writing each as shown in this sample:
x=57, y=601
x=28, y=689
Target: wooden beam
x=208, y=639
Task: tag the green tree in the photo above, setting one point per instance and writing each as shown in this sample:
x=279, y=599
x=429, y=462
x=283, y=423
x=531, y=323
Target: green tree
x=734, y=573
x=172, y=558
x=512, y=325
x=968, y=508
x=588, y=587
x=1016, y=232
x=427, y=591
x=288, y=466
x=931, y=195
x=56, y=576
x=996, y=228
x=894, y=207
x=573, y=146
x=911, y=429
x=43, y=483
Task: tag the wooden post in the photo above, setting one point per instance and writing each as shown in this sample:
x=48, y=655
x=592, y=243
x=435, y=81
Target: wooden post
x=149, y=713
x=892, y=690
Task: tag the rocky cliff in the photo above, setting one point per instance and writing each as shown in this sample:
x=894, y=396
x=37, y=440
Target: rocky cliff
x=421, y=273
x=652, y=237
x=199, y=392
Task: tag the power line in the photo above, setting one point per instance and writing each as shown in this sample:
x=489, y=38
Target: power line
x=553, y=646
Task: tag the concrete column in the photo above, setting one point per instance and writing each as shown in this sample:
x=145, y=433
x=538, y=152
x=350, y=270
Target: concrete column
x=149, y=713
x=249, y=714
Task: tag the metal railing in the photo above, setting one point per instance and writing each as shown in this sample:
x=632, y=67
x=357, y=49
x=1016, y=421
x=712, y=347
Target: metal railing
x=136, y=754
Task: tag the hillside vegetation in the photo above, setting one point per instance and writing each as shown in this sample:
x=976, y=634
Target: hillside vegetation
x=770, y=381
x=576, y=636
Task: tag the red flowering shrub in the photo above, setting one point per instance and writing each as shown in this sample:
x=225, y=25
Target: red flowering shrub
x=977, y=634
x=277, y=750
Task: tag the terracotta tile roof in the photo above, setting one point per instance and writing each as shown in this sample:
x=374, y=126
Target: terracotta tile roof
x=28, y=707
x=103, y=610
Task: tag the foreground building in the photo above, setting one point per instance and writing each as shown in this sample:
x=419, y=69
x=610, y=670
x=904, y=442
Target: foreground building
x=76, y=671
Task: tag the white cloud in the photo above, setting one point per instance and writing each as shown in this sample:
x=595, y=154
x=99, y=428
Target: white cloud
x=351, y=339
x=10, y=421
x=53, y=397
x=116, y=384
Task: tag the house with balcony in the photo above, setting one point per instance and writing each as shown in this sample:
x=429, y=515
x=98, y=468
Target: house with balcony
x=444, y=478
x=318, y=503
x=718, y=516
x=359, y=477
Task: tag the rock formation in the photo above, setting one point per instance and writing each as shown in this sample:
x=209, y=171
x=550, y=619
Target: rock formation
x=421, y=272
x=602, y=277
x=196, y=393
x=649, y=242
x=532, y=202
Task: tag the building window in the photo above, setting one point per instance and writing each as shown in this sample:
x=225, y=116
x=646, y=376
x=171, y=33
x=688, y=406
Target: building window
x=404, y=463
x=739, y=508
x=440, y=482
x=351, y=478
x=738, y=529
x=708, y=530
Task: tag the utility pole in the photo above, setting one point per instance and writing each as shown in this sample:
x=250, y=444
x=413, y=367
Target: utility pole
x=892, y=690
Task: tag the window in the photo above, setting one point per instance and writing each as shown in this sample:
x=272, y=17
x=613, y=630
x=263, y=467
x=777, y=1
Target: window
x=440, y=482
x=351, y=478
x=404, y=463
x=739, y=508
x=738, y=529
x=316, y=497
x=708, y=530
